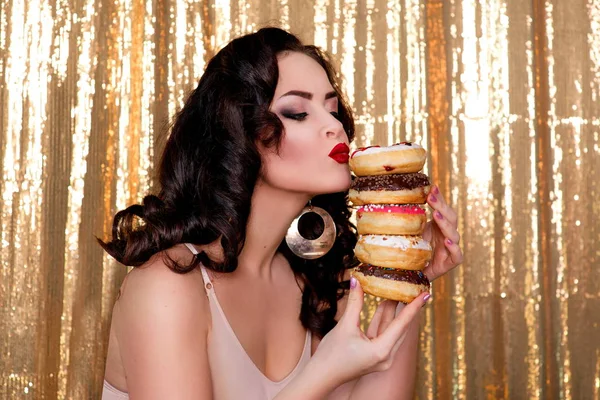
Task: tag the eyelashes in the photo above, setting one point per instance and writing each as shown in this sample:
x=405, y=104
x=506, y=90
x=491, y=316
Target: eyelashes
x=295, y=116
x=302, y=116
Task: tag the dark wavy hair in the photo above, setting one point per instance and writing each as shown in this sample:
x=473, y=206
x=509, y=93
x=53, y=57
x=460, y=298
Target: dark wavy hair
x=210, y=166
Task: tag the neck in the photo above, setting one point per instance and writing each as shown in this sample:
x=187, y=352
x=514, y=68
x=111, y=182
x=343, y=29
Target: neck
x=271, y=214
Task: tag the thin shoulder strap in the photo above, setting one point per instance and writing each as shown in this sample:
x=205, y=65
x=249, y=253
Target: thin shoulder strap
x=207, y=282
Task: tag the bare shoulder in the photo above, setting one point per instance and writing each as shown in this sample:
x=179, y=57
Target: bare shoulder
x=156, y=280
x=162, y=320
x=155, y=287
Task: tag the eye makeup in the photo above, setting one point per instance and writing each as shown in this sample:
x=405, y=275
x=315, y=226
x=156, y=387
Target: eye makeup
x=295, y=116
x=294, y=109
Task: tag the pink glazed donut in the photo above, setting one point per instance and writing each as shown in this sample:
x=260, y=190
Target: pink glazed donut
x=380, y=219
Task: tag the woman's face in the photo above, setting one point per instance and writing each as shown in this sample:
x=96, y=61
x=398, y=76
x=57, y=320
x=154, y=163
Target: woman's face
x=313, y=153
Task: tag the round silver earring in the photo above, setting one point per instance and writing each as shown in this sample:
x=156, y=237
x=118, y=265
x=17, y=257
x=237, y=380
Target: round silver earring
x=315, y=248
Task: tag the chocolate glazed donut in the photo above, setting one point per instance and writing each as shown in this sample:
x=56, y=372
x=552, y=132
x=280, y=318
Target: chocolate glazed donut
x=390, y=189
x=401, y=275
x=393, y=284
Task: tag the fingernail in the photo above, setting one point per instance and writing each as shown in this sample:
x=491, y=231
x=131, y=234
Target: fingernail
x=433, y=198
x=352, y=283
x=449, y=241
x=426, y=299
x=439, y=215
x=435, y=190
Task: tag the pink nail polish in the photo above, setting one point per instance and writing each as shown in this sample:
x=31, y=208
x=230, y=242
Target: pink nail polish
x=433, y=198
x=352, y=283
x=435, y=190
x=426, y=298
x=439, y=215
x=449, y=241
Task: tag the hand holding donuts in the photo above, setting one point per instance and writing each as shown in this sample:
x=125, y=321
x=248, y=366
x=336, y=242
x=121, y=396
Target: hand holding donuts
x=349, y=353
x=442, y=233
x=346, y=353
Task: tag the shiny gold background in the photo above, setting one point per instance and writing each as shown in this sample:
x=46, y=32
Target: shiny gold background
x=504, y=94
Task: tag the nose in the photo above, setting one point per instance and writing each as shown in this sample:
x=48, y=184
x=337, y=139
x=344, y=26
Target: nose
x=334, y=127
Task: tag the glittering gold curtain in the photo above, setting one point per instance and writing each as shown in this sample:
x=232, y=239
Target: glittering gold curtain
x=504, y=94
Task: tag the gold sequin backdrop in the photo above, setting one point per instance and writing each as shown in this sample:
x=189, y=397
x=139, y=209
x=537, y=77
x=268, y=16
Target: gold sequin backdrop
x=505, y=95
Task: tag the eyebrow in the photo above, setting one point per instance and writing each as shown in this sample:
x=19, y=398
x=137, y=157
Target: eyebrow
x=307, y=95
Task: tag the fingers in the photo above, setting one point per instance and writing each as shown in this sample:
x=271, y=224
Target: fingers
x=384, y=314
x=456, y=254
x=438, y=203
x=439, y=265
x=446, y=226
x=397, y=328
x=373, y=329
x=387, y=316
x=354, y=305
x=399, y=307
x=444, y=260
x=430, y=273
x=401, y=339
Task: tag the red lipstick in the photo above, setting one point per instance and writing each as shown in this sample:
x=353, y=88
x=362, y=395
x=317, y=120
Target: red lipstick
x=340, y=153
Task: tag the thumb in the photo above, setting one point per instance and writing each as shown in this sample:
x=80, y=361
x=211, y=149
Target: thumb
x=399, y=326
x=354, y=304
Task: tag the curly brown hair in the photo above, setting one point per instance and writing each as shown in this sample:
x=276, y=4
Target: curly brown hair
x=211, y=164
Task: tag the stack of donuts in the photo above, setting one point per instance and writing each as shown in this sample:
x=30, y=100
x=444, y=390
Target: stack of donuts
x=389, y=192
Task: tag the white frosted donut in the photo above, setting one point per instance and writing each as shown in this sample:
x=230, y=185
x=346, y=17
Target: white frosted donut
x=402, y=291
x=379, y=219
x=399, y=158
x=400, y=252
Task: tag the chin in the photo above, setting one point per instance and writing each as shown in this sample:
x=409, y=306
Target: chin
x=335, y=184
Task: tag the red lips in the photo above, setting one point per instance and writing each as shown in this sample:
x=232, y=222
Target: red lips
x=340, y=153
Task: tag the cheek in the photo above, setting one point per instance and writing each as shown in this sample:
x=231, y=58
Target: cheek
x=299, y=144
x=303, y=164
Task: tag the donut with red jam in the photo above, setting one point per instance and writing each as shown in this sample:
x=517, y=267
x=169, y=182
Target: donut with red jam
x=400, y=158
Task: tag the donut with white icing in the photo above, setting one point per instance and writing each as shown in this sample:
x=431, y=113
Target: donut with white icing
x=400, y=158
x=390, y=189
x=398, y=252
x=394, y=284
x=392, y=219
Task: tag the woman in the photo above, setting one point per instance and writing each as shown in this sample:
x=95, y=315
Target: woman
x=219, y=306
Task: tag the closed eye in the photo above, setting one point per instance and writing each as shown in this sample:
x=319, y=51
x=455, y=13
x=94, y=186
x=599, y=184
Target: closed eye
x=295, y=116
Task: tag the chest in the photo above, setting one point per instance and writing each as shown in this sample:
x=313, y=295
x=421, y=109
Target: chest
x=264, y=320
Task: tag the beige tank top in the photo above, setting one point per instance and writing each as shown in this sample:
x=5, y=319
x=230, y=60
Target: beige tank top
x=234, y=374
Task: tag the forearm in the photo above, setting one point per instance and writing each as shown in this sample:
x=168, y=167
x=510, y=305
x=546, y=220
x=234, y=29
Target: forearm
x=398, y=381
